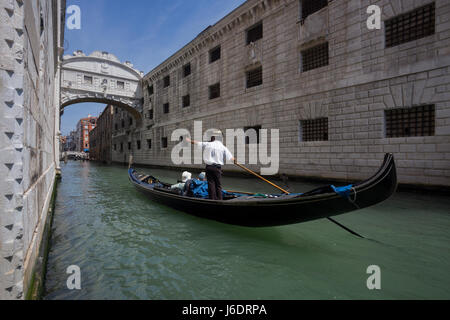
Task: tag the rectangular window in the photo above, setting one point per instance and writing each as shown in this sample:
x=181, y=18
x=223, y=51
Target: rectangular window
x=166, y=107
x=410, y=26
x=121, y=147
x=255, y=33
x=166, y=81
x=116, y=127
x=314, y=130
x=115, y=147
x=252, y=134
x=150, y=90
x=315, y=57
x=129, y=145
x=87, y=80
x=186, y=101
x=149, y=143
x=214, y=54
x=214, y=91
x=186, y=70
x=120, y=85
x=410, y=122
x=150, y=114
x=254, y=77
x=309, y=7
x=164, y=142
x=130, y=121
x=138, y=144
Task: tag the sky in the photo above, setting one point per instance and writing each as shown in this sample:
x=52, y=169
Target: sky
x=144, y=32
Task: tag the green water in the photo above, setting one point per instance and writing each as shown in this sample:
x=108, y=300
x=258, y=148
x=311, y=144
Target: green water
x=128, y=247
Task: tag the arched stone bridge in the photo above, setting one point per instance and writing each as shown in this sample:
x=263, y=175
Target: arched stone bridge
x=101, y=77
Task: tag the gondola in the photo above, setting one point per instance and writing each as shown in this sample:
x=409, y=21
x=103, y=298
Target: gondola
x=256, y=210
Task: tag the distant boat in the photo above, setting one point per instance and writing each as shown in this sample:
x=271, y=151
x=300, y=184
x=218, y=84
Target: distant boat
x=256, y=210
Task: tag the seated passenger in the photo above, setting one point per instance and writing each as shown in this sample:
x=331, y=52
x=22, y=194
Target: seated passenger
x=202, y=176
x=184, y=177
x=190, y=184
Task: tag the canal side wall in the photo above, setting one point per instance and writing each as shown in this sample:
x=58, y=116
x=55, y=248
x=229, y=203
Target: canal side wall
x=29, y=145
x=363, y=79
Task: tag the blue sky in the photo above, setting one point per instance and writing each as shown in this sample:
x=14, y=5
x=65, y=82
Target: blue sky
x=145, y=32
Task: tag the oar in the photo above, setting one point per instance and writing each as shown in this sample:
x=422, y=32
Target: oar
x=284, y=191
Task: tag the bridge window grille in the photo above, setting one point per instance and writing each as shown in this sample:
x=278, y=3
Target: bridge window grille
x=164, y=142
x=214, y=91
x=314, y=129
x=309, y=7
x=214, y=54
x=120, y=85
x=166, y=108
x=315, y=57
x=87, y=80
x=166, y=81
x=255, y=33
x=410, y=122
x=186, y=70
x=149, y=143
x=254, y=77
x=186, y=101
x=410, y=26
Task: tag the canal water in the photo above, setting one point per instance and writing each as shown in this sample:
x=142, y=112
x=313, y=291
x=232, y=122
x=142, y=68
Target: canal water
x=128, y=247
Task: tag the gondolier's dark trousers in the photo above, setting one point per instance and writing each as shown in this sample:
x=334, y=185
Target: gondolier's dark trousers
x=213, y=175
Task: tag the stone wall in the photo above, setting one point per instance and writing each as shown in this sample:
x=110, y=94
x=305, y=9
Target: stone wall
x=362, y=79
x=30, y=36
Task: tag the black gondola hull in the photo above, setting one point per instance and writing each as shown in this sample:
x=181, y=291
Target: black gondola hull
x=276, y=212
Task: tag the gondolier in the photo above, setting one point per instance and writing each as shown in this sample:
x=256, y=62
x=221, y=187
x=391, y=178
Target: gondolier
x=214, y=154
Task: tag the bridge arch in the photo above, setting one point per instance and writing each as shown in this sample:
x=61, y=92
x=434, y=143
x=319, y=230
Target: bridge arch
x=101, y=77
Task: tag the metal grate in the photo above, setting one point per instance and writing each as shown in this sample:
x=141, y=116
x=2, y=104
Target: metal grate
x=410, y=26
x=254, y=77
x=166, y=107
x=187, y=70
x=315, y=57
x=214, y=91
x=214, y=54
x=255, y=33
x=186, y=101
x=410, y=122
x=166, y=81
x=314, y=130
x=308, y=7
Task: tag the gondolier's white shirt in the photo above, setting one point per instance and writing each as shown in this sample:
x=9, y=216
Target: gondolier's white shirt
x=215, y=152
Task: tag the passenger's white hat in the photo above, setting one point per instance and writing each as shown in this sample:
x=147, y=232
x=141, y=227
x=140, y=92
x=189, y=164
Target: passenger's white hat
x=186, y=176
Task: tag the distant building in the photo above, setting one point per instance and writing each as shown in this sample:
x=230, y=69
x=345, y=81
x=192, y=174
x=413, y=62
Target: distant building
x=84, y=126
x=100, y=137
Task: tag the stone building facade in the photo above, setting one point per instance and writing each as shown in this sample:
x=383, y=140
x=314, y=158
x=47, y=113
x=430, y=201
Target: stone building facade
x=100, y=137
x=31, y=37
x=339, y=93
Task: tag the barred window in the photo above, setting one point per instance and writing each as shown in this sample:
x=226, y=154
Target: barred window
x=214, y=91
x=149, y=143
x=187, y=70
x=186, y=101
x=150, y=90
x=410, y=26
x=255, y=33
x=410, y=122
x=166, y=81
x=214, y=54
x=249, y=135
x=314, y=130
x=315, y=57
x=166, y=107
x=308, y=7
x=164, y=142
x=254, y=77
x=88, y=80
x=120, y=85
